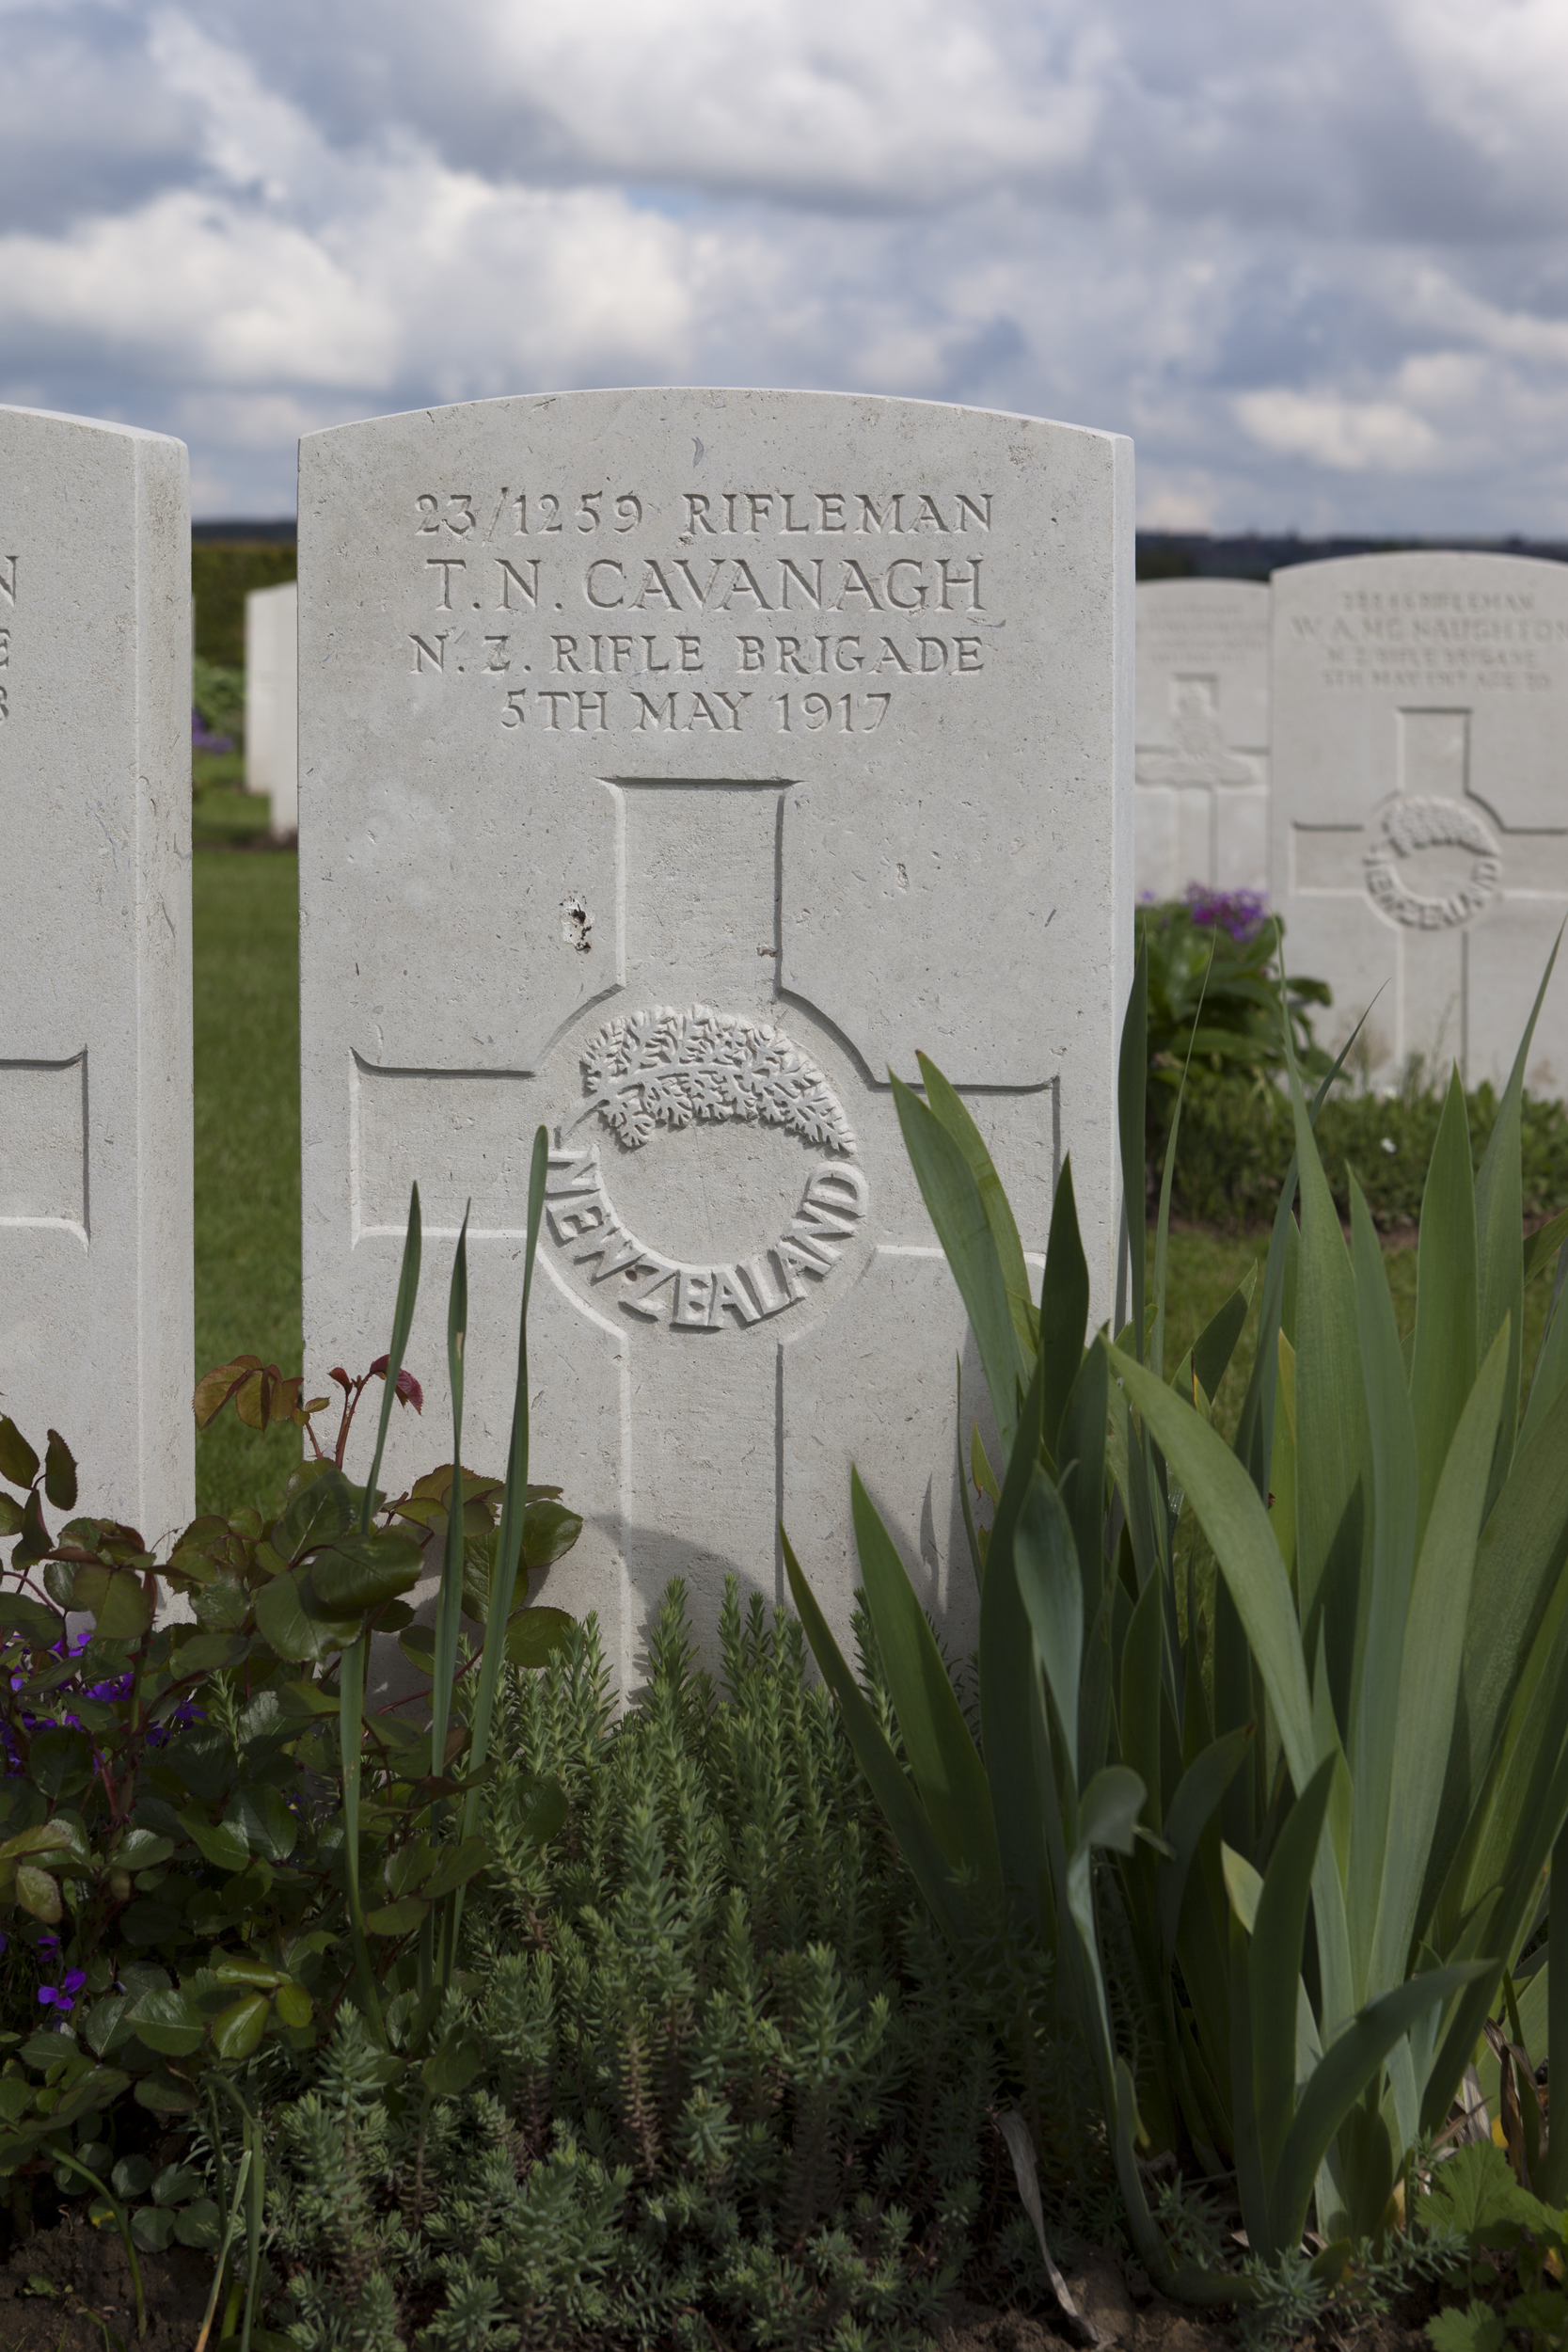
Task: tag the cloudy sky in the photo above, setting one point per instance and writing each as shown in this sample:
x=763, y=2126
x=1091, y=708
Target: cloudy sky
x=1314, y=258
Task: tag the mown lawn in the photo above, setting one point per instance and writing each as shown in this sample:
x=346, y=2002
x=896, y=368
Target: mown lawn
x=246, y=980
x=246, y=956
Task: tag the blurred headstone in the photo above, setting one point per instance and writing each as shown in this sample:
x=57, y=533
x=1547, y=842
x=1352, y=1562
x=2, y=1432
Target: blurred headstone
x=1420, y=802
x=675, y=763
x=1202, y=798
x=272, y=703
x=95, y=1040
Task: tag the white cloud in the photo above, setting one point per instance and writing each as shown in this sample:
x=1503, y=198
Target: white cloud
x=1318, y=263
x=1348, y=435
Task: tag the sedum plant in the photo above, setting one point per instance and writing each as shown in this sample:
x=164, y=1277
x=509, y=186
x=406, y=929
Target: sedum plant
x=1308, y=1810
x=731, y=2084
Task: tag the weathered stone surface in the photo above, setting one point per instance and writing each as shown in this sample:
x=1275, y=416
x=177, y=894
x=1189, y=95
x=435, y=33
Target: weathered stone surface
x=95, y=1041
x=1421, y=801
x=671, y=763
x=1202, y=800
x=271, y=702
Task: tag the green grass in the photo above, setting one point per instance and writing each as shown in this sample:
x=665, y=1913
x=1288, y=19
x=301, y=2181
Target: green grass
x=223, y=814
x=247, y=984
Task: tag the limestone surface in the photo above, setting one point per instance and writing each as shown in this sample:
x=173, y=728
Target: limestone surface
x=1420, y=802
x=1202, y=797
x=271, y=702
x=95, y=1038
x=674, y=764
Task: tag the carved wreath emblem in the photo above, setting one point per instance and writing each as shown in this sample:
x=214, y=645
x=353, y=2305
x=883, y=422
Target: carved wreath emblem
x=667, y=1069
x=664, y=1069
x=1430, y=824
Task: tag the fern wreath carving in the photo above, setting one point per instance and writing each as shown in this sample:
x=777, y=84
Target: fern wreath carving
x=661, y=1068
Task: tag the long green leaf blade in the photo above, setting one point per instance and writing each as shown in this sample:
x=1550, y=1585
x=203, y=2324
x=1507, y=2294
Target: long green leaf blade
x=1274, y=1964
x=949, y=1108
x=1342, y=2073
x=1232, y=1516
x=1392, y=1430
x=1063, y=1308
x=448, y=1606
x=1429, y=1668
x=1331, y=1423
x=956, y=1210
x=1132, y=1100
x=1500, y=1219
x=905, y=1819
x=509, y=1541
x=1046, y=1562
x=946, y=1770
x=403, y=1322
x=1443, y=1362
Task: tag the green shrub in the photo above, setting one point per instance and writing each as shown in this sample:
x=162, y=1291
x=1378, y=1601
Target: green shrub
x=1238, y=1139
x=219, y=696
x=733, y=2087
x=1213, y=961
x=223, y=572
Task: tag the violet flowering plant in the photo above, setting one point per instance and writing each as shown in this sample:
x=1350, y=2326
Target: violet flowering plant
x=1214, y=962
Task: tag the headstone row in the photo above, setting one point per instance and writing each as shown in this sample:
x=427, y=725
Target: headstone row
x=1381, y=744
x=674, y=767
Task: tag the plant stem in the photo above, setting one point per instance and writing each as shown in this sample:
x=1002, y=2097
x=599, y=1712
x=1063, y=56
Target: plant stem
x=121, y=2223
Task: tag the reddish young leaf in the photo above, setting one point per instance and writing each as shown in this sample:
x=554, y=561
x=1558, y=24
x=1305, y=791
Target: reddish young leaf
x=215, y=1389
x=410, y=1390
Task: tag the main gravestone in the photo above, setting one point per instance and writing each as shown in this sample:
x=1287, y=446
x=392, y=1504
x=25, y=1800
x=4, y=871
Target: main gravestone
x=1202, y=798
x=271, y=702
x=95, y=1042
x=1421, y=801
x=672, y=763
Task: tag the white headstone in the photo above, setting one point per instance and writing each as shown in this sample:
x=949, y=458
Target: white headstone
x=675, y=762
x=271, y=702
x=95, y=1037
x=1202, y=798
x=1421, y=801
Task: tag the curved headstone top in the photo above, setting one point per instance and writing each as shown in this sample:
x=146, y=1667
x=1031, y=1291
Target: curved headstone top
x=95, y=1040
x=672, y=763
x=1421, y=801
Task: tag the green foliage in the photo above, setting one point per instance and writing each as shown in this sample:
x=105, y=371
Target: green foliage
x=197, y=1810
x=1475, y=2197
x=219, y=694
x=1214, y=994
x=728, y=2082
x=1238, y=1138
x=1255, y=1802
x=223, y=572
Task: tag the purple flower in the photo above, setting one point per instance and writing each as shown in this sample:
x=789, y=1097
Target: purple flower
x=63, y=1997
x=201, y=740
x=47, y=1943
x=1242, y=913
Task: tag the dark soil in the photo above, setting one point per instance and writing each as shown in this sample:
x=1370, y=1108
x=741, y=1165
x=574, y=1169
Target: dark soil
x=69, y=2290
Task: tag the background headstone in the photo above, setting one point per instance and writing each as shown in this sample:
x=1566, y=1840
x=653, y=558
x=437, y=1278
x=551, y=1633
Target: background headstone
x=271, y=702
x=1420, y=802
x=95, y=1038
x=1202, y=800
x=675, y=762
